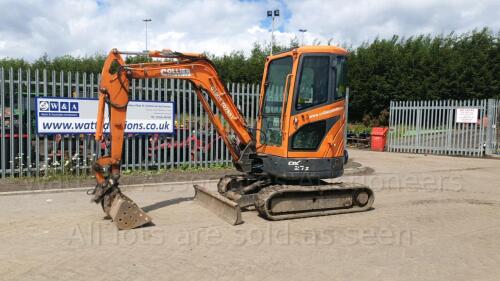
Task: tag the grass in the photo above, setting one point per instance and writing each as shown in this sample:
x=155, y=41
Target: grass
x=58, y=177
x=181, y=168
x=358, y=128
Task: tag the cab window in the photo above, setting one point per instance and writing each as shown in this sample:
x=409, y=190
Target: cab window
x=277, y=72
x=341, y=81
x=314, y=82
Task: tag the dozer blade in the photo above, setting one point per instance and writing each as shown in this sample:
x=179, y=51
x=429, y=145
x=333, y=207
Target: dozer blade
x=126, y=214
x=221, y=206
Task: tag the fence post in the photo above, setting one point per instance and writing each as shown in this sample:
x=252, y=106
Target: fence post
x=482, y=128
x=20, y=154
x=419, y=120
x=29, y=125
x=11, y=116
x=491, y=121
x=391, y=128
x=450, y=123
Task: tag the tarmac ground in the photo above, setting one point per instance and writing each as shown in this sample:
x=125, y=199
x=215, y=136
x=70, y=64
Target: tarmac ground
x=434, y=218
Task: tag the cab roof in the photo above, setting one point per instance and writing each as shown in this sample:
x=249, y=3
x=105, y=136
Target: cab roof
x=310, y=49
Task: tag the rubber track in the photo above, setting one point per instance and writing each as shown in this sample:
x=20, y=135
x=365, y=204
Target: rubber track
x=267, y=193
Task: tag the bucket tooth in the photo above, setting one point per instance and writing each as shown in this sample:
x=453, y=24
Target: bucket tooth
x=126, y=214
x=226, y=209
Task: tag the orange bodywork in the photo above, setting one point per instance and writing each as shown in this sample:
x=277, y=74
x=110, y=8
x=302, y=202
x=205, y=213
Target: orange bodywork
x=113, y=90
x=197, y=69
x=333, y=146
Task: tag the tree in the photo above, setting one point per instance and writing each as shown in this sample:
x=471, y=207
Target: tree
x=424, y=67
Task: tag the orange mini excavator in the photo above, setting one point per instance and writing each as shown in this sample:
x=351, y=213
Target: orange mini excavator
x=298, y=140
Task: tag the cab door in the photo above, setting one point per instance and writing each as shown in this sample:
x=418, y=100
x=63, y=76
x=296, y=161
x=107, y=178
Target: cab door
x=271, y=133
x=317, y=107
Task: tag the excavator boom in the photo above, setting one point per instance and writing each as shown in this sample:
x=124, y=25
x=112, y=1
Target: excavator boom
x=114, y=88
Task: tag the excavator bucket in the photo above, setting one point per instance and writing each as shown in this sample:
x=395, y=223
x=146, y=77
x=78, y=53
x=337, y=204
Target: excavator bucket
x=126, y=214
x=226, y=209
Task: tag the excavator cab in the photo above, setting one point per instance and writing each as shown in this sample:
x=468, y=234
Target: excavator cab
x=301, y=120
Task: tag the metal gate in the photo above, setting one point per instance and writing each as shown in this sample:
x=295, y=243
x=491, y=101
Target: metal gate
x=448, y=127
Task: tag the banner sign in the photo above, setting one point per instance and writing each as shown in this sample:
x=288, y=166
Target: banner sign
x=79, y=116
x=466, y=115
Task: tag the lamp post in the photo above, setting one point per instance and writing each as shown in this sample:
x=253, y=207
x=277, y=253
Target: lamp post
x=272, y=14
x=146, y=23
x=302, y=32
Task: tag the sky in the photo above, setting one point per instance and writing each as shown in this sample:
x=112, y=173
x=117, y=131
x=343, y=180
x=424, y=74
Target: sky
x=31, y=28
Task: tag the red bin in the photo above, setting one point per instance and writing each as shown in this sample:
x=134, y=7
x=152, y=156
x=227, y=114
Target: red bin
x=379, y=137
